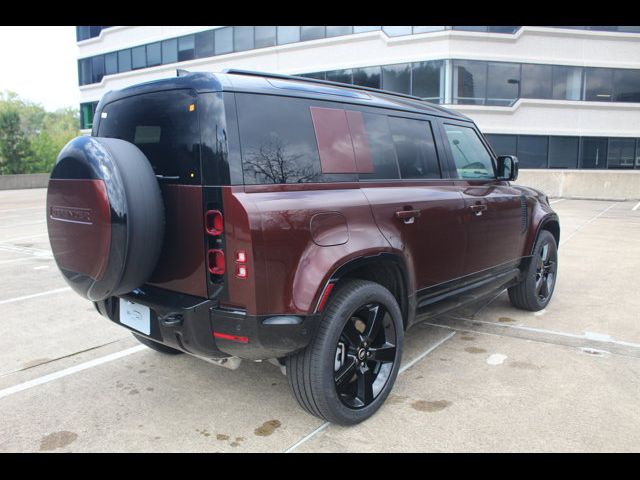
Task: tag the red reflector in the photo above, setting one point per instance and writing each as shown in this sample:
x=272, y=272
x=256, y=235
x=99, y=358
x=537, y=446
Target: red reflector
x=214, y=223
x=241, y=256
x=215, y=258
x=241, y=271
x=325, y=296
x=233, y=338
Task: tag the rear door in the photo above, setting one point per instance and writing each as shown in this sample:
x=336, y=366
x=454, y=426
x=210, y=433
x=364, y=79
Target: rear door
x=494, y=211
x=417, y=209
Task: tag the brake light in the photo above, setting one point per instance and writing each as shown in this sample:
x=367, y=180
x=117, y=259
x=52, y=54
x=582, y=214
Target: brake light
x=214, y=222
x=241, y=271
x=241, y=256
x=215, y=259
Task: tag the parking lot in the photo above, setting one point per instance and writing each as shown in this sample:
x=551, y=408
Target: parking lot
x=489, y=378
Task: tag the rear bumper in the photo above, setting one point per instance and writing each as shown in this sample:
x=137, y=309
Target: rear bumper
x=188, y=324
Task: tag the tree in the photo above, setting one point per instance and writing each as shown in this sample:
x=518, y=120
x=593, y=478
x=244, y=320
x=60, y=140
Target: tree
x=31, y=137
x=14, y=145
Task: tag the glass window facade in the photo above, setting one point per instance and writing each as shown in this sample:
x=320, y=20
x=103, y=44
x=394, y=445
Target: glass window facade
x=563, y=152
x=170, y=51
x=288, y=34
x=265, y=36
x=243, y=38
x=568, y=151
x=311, y=33
x=536, y=81
x=138, y=57
x=204, y=44
x=339, y=31
x=397, y=78
x=186, y=48
x=154, y=54
x=503, y=83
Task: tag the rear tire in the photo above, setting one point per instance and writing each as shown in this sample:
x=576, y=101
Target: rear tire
x=347, y=371
x=535, y=290
x=158, y=347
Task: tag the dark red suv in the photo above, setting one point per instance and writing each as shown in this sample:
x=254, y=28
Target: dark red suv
x=244, y=215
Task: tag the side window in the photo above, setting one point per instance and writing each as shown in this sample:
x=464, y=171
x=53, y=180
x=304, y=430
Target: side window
x=377, y=137
x=277, y=140
x=472, y=159
x=415, y=148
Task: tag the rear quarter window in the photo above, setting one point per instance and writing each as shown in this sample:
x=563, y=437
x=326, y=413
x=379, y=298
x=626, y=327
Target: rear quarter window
x=278, y=141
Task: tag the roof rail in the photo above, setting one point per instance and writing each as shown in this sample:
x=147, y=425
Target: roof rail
x=254, y=73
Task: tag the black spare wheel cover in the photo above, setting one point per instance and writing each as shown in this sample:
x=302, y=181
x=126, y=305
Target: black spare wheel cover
x=105, y=216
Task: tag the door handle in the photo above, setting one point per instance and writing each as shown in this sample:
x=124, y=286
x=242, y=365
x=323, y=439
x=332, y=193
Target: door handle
x=478, y=209
x=408, y=216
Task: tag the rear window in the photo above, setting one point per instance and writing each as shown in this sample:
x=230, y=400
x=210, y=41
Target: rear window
x=164, y=126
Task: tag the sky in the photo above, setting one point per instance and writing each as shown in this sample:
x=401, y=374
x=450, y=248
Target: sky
x=40, y=64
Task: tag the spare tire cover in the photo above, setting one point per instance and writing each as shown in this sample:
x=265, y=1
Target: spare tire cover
x=105, y=216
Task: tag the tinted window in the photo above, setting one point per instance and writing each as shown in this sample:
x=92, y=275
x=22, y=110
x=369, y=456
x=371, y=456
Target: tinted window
x=621, y=152
x=397, y=31
x=288, y=34
x=163, y=127
x=428, y=28
x=363, y=28
x=186, y=48
x=84, y=71
x=503, y=83
x=367, y=77
x=598, y=84
x=204, y=44
x=397, y=78
x=469, y=82
x=472, y=159
x=593, y=152
x=626, y=85
x=337, y=31
x=567, y=82
x=111, y=63
x=265, y=36
x=311, y=33
x=97, y=65
x=532, y=151
x=425, y=80
x=383, y=153
x=124, y=60
x=170, y=51
x=242, y=38
x=154, y=54
x=342, y=76
x=415, y=149
x=563, y=152
x=138, y=57
x=223, y=40
x=536, y=81
x=278, y=140
x=503, y=144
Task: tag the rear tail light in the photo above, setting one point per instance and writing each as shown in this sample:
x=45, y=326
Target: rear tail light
x=215, y=260
x=214, y=222
x=241, y=271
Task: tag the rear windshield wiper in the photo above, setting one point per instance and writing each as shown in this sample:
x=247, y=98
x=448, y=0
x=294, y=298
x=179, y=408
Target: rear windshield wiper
x=168, y=177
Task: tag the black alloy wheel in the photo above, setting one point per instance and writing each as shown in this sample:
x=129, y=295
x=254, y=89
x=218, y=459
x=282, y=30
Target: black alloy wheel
x=365, y=355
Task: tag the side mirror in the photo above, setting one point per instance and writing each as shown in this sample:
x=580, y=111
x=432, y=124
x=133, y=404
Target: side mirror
x=507, y=167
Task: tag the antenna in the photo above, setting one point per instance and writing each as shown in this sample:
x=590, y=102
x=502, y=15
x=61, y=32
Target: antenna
x=181, y=72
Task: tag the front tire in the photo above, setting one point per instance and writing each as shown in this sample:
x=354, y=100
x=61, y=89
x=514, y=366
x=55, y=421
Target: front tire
x=535, y=290
x=347, y=371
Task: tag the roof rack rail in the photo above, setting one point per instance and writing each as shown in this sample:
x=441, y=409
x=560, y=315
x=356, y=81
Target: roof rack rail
x=280, y=76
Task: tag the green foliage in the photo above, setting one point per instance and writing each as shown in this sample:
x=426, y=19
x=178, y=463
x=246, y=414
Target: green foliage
x=31, y=137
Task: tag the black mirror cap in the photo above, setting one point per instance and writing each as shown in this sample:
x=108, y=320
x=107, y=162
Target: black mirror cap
x=508, y=167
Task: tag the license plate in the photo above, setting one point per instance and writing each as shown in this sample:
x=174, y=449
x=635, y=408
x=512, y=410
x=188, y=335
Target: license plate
x=135, y=316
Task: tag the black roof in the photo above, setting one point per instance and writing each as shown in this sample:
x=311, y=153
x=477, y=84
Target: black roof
x=260, y=82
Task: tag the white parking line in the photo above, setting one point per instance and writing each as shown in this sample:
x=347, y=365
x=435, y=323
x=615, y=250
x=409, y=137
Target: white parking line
x=557, y=201
x=312, y=434
x=22, y=224
x=70, y=371
x=587, y=223
x=637, y=205
x=21, y=209
x=35, y=295
x=28, y=237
